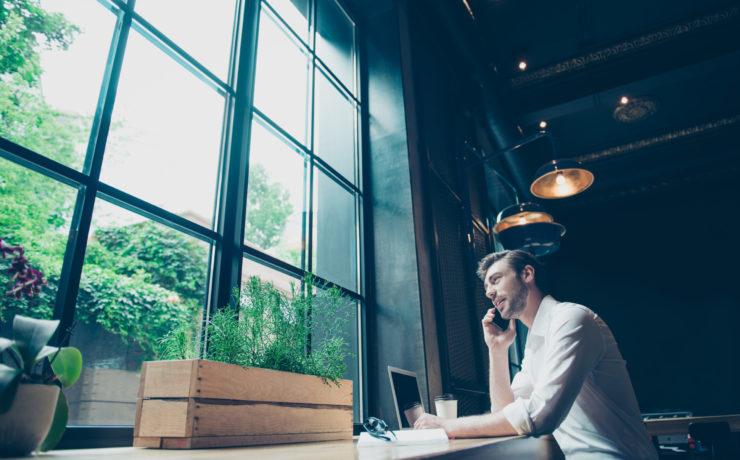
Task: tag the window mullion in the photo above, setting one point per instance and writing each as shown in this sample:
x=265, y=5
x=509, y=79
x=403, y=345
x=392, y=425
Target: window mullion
x=74, y=258
x=235, y=168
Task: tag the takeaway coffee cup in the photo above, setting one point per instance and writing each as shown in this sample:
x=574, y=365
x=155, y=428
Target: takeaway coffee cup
x=446, y=406
x=413, y=411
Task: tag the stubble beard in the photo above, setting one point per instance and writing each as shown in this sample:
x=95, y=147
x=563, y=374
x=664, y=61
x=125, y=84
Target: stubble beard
x=517, y=302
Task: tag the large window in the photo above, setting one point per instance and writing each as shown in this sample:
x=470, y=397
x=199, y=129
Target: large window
x=304, y=191
x=121, y=154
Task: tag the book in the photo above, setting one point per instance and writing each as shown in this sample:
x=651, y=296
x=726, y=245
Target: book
x=405, y=438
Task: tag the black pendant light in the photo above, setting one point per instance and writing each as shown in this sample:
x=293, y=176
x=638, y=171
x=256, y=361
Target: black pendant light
x=560, y=178
x=527, y=226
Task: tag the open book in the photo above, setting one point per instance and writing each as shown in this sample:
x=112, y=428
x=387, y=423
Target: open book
x=405, y=438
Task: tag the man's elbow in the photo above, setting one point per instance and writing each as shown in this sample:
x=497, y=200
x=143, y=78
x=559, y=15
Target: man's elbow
x=545, y=424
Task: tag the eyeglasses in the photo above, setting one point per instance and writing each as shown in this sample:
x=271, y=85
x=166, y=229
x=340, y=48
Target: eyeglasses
x=378, y=429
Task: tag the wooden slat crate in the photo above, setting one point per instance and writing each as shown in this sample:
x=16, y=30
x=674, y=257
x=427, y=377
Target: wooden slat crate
x=199, y=403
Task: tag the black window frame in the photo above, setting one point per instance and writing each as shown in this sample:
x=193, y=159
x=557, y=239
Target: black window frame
x=226, y=237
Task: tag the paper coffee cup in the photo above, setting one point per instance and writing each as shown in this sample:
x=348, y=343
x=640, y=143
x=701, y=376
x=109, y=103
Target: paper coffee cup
x=413, y=411
x=446, y=406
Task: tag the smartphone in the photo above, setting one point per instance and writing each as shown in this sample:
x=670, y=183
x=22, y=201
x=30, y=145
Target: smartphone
x=499, y=321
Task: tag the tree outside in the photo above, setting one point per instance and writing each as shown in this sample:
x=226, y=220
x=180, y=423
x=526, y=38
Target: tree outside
x=139, y=280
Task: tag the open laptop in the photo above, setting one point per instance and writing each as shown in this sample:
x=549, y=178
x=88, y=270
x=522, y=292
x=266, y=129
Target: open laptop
x=406, y=390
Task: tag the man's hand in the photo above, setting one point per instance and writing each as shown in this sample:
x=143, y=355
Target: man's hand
x=474, y=426
x=427, y=421
x=497, y=339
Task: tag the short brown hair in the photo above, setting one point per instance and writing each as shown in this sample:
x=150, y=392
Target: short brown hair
x=517, y=260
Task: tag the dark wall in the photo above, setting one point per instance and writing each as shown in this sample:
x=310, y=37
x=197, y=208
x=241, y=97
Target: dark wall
x=394, y=323
x=438, y=106
x=661, y=269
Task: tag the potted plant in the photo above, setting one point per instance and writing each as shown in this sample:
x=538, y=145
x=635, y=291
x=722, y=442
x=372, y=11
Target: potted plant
x=270, y=373
x=33, y=410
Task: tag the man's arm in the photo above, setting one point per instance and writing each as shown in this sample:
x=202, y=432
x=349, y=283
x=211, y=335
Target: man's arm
x=574, y=348
x=498, y=377
x=492, y=424
x=498, y=342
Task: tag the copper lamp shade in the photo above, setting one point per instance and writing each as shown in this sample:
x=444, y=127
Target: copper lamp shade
x=561, y=179
x=527, y=226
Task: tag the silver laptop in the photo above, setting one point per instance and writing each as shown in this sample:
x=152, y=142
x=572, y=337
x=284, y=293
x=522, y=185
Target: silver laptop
x=406, y=392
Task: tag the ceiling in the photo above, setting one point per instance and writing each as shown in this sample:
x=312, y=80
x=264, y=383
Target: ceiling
x=677, y=61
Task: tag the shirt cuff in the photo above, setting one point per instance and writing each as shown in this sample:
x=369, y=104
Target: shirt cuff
x=516, y=413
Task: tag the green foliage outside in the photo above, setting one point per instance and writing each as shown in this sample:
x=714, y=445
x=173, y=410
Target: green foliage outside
x=302, y=333
x=24, y=27
x=268, y=207
x=34, y=212
x=139, y=281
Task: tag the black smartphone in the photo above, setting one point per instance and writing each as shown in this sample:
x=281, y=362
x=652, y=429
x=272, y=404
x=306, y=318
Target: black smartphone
x=499, y=321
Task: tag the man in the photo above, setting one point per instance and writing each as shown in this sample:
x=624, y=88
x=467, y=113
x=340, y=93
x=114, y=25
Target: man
x=573, y=382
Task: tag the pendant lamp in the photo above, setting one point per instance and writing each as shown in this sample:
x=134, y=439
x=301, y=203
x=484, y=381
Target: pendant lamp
x=528, y=227
x=560, y=178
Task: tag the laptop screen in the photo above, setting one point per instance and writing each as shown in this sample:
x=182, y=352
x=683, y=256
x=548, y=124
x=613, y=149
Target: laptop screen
x=405, y=387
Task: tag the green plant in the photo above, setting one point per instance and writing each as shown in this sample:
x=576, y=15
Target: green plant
x=29, y=351
x=268, y=208
x=301, y=333
x=179, y=343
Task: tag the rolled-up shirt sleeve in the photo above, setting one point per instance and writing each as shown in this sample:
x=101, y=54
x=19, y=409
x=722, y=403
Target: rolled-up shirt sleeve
x=573, y=347
x=522, y=384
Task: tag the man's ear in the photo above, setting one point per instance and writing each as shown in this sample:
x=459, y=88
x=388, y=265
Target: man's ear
x=527, y=274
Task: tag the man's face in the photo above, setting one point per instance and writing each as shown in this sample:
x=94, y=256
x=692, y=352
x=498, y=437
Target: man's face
x=506, y=290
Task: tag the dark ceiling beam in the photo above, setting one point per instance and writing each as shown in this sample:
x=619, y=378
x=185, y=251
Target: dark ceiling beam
x=697, y=179
x=705, y=70
x=677, y=177
x=653, y=53
x=673, y=159
x=662, y=139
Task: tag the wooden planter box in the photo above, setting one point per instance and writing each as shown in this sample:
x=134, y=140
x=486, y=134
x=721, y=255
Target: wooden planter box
x=198, y=403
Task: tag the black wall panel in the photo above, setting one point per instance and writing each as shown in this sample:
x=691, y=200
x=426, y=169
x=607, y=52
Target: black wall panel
x=452, y=266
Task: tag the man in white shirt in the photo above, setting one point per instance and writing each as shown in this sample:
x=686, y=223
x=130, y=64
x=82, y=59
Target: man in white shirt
x=573, y=382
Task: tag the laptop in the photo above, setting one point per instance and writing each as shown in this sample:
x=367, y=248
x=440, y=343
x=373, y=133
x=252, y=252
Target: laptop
x=406, y=391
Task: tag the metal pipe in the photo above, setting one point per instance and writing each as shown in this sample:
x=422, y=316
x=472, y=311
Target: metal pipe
x=499, y=128
x=482, y=159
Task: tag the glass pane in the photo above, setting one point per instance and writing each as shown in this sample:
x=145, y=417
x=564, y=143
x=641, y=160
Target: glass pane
x=35, y=214
x=206, y=37
x=165, y=139
x=140, y=280
x=342, y=323
x=278, y=279
x=49, y=94
x=335, y=41
x=294, y=13
x=334, y=232
x=353, y=360
x=275, y=197
x=282, y=79
x=335, y=128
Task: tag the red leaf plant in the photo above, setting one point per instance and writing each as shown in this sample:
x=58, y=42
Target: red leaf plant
x=25, y=279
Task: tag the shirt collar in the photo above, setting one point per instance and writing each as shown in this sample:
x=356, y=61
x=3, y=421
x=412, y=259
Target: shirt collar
x=542, y=317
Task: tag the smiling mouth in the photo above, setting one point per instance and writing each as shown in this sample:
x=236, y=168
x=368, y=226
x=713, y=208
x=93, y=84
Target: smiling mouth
x=498, y=304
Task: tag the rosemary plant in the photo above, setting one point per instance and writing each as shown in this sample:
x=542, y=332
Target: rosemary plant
x=304, y=332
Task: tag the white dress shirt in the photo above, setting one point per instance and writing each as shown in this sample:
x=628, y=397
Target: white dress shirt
x=574, y=384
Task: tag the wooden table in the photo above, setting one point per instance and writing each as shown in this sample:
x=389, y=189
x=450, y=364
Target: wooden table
x=680, y=425
x=544, y=448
